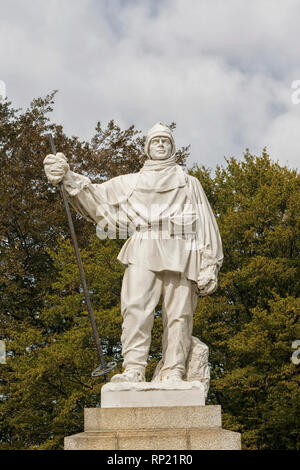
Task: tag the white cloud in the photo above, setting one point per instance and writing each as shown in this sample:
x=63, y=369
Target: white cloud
x=221, y=70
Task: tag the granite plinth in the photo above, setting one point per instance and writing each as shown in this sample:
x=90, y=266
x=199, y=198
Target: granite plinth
x=154, y=428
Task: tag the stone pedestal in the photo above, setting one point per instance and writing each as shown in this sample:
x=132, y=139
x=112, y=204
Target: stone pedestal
x=154, y=428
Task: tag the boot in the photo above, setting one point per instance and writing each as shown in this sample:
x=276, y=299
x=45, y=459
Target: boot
x=130, y=375
x=169, y=375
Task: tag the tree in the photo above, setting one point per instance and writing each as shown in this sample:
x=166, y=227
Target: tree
x=251, y=321
x=44, y=378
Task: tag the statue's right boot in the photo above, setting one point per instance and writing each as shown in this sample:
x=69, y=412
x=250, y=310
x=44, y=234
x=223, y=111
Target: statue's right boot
x=130, y=375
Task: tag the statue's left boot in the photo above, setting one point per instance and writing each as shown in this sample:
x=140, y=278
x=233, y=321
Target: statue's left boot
x=169, y=375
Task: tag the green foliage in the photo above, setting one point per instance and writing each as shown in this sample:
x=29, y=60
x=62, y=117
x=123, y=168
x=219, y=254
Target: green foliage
x=253, y=318
x=248, y=324
x=47, y=381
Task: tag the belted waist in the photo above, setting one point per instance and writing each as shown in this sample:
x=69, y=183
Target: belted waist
x=169, y=226
x=162, y=232
x=149, y=228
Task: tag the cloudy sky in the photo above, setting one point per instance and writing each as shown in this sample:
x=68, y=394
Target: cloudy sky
x=222, y=70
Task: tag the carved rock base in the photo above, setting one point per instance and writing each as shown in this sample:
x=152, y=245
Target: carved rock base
x=149, y=394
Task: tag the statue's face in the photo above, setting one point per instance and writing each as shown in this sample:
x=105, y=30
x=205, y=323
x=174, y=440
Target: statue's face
x=160, y=148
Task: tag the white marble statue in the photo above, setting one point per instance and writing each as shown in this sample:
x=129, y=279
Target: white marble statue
x=174, y=251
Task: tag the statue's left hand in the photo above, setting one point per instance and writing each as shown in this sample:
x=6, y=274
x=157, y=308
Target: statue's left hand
x=207, y=281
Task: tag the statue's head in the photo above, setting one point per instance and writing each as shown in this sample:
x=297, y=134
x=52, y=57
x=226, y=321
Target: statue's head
x=160, y=143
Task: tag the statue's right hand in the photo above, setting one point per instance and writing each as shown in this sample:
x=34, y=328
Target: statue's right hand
x=56, y=167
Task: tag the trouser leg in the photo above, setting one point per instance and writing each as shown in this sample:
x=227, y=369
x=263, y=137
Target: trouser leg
x=179, y=303
x=141, y=290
